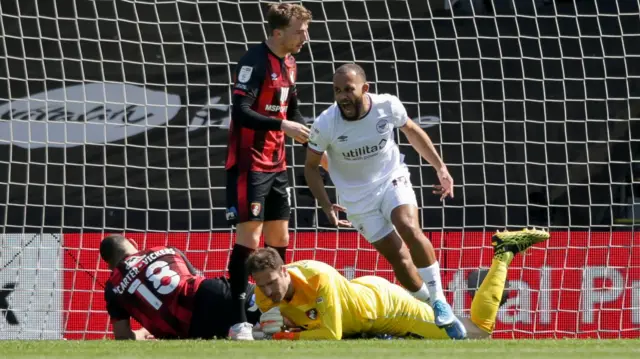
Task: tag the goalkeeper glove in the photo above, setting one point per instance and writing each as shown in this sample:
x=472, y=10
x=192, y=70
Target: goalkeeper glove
x=271, y=321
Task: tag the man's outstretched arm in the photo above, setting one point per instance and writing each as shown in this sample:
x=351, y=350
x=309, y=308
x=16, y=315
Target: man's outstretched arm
x=422, y=143
x=424, y=146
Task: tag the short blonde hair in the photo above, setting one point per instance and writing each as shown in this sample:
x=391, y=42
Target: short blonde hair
x=279, y=15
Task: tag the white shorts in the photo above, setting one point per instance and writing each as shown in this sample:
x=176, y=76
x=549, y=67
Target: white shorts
x=375, y=223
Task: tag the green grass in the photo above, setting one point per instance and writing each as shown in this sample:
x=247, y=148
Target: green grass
x=365, y=349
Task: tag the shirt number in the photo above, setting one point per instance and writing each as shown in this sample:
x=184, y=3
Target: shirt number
x=163, y=279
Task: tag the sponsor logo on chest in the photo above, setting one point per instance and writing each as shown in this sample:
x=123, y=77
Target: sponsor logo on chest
x=282, y=105
x=365, y=152
x=276, y=108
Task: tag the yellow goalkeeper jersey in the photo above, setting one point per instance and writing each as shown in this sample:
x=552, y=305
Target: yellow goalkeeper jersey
x=329, y=306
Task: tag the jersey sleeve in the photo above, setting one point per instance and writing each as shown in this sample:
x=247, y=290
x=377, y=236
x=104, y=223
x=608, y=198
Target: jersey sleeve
x=329, y=309
x=115, y=310
x=398, y=112
x=249, y=76
x=319, y=136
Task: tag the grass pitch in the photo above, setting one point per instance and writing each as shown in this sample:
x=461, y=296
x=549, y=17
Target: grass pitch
x=365, y=349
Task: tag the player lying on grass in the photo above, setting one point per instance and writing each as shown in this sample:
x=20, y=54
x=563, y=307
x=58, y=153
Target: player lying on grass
x=161, y=290
x=322, y=304
x=357, y=133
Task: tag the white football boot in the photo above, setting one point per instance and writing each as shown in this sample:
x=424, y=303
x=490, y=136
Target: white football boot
x=241, y=331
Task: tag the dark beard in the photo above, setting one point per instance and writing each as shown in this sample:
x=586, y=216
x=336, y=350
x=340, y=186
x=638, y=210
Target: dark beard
x=356, y=115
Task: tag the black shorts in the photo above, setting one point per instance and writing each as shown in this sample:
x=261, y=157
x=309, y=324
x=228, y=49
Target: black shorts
x=257, y=196
x=211, y=316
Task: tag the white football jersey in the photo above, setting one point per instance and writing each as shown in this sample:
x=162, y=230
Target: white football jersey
x=362, y=154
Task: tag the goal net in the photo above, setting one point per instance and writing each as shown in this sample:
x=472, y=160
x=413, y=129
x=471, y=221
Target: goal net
x=114, y=117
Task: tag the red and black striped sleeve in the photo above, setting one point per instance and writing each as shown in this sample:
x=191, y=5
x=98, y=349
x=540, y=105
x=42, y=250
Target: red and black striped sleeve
x=249, y=79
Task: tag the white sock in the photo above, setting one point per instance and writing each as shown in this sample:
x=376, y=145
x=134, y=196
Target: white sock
x=431, y=277
x=422, y=294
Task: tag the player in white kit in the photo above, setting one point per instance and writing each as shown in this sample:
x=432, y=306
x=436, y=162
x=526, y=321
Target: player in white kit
x=373, y=184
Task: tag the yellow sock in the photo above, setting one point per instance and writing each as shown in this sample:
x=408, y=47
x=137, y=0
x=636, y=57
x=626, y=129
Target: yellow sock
x=486, y=302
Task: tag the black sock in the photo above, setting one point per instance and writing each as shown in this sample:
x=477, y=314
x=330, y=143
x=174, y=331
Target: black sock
x=282, y=251
x=238, y=280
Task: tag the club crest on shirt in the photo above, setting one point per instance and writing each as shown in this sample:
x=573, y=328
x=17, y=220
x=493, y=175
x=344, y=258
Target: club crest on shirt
x=382, y=126
x=245, y=73
x=312, y=314
x=256, y=207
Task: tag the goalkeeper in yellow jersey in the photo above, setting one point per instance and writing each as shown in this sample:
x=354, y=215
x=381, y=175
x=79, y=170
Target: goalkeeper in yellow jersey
x=319, y=303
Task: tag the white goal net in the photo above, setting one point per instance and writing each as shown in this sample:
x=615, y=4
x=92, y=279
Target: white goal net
x=114, y=117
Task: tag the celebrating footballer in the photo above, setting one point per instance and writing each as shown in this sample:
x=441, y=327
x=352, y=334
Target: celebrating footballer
x=373, y=184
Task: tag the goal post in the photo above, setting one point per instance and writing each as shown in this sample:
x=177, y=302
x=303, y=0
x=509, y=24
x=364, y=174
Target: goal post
x=114, y=118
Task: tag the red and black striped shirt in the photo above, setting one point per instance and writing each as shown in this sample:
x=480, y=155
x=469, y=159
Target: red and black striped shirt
x=264, y=94
x=156, y=287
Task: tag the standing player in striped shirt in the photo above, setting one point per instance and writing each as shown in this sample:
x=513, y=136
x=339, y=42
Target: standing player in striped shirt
x=264, y=110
